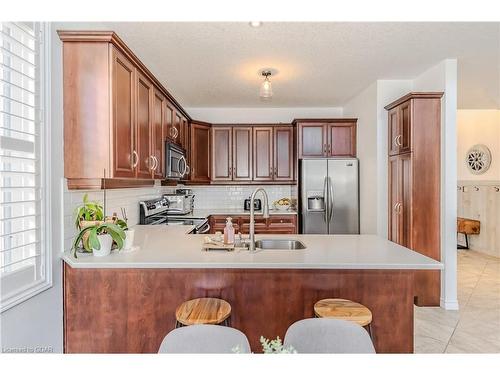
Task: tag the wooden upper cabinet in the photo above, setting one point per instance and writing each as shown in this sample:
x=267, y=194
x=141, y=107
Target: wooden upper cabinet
x=400, y=129
x=242, y=153
x=405, y=130
x=123, y=95
x=157, y=136
x=312, y=140
x=326, y=138
x=283, y=153
x=113, y=103
x=222, y=166
x=342, y=139
x=393, y=127
x=200, y=152
x=144, y=126
x=169, y=120
x=263, y=168
x=178, y=135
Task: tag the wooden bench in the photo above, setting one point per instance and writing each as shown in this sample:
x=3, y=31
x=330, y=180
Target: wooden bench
x=466, y=227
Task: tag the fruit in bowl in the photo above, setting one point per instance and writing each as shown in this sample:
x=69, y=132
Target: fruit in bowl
x=282, y=204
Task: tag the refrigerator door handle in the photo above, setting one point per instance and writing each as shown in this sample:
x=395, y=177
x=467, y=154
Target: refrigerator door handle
x=330, y=199
x=325, y=198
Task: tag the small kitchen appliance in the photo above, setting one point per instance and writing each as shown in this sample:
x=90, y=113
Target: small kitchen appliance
x=257, y=204
x=155, y=212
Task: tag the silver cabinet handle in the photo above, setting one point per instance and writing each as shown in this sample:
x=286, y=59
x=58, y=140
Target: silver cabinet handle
x=135, y=159
x=398, y=140
x=396, y=207
x=188, y=169
x=150, y=162
x=155, y=161
x=175, y=131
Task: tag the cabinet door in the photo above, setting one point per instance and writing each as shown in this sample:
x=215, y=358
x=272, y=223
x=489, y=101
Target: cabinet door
x=405, y=201
x=144, y=126
x=400, y=200
x=123, y=116
x=222, y=167
x=200, y=152
x=283, y=153
x=393, y=188
x=404, y=140
x=263, y=169
x=393, y=125
x=312, y=140
x=177, y=128
x=242, y=153
x=157, y=136
x=342, y=139
x=169, y=119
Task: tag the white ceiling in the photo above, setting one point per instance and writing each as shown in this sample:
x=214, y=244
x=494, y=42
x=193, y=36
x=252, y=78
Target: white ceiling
x=318, y=64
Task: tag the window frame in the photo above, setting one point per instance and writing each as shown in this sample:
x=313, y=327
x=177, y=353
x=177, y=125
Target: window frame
x=46, y=282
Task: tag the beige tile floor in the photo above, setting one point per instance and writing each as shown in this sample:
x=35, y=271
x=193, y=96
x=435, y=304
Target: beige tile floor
x=475, y=328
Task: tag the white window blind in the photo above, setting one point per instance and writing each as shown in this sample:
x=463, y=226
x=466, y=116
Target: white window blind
x=24, y=253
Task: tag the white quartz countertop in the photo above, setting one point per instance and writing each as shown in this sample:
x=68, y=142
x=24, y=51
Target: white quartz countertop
x=164, y=246
x=206, y=212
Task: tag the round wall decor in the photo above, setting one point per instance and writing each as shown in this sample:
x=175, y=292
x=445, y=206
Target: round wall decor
x=478, y=159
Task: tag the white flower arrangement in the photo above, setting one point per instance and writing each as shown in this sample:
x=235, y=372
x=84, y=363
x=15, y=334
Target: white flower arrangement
x=271, y=347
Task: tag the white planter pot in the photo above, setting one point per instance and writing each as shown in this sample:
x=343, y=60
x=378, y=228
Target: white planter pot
x=129, y=239
x=105, y=240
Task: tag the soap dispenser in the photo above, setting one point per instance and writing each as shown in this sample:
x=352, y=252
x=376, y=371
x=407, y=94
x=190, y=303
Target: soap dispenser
x=229, y=231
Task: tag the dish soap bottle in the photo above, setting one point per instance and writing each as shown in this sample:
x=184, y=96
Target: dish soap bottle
x=229, y=232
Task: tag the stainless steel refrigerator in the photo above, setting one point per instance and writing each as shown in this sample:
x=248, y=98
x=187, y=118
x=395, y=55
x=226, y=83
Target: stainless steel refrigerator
x=329, y=196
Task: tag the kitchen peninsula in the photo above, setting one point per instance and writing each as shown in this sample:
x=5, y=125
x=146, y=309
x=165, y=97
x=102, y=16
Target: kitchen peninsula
x=126, y=302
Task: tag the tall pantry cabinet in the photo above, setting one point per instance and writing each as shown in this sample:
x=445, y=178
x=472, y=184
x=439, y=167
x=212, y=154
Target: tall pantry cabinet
x=414, y=159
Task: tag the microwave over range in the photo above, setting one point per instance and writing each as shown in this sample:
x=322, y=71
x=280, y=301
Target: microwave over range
x=176, y=166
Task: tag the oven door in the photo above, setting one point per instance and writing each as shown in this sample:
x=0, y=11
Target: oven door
x=175, y=161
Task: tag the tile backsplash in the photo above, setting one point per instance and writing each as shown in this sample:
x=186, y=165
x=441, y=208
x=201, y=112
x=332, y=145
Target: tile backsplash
x=206, y=197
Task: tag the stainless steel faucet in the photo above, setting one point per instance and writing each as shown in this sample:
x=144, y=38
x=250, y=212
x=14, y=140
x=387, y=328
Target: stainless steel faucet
x=265, y=214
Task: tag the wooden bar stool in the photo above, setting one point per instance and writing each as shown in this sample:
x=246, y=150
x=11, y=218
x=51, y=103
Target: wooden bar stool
x=203, y=311
x=346, y=310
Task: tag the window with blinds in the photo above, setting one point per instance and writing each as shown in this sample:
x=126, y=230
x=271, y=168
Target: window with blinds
x=24, y=261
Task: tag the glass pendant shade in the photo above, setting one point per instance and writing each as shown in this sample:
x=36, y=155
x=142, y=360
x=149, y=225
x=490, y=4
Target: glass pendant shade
x=266, y=90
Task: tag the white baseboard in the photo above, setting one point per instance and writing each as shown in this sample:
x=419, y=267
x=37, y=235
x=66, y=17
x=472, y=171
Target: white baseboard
x=449, y=305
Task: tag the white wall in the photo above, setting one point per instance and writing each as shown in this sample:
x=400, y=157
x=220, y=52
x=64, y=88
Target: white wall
x=260, y=115
x=478, y=127
x=364, y=107
x=443, y=77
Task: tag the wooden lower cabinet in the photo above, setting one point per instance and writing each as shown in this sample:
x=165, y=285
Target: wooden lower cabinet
x=131, y=310
x=275, y=224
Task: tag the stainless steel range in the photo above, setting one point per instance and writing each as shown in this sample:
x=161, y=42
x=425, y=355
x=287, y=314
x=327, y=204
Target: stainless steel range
x=156, y=212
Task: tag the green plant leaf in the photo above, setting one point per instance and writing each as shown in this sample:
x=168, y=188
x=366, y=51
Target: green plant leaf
x=93, y=240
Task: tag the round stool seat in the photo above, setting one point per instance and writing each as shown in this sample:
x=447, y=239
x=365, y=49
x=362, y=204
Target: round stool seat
x=343, y=309
x=203, y=311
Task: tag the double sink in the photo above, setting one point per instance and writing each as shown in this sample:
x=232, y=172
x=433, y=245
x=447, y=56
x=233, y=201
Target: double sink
x=279, y=244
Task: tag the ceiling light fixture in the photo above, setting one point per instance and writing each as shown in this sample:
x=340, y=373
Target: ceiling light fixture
x=255, y=23
x=266, y=90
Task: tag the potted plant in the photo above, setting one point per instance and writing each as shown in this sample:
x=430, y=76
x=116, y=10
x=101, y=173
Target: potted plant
x=99, y=238
x=89, y=213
